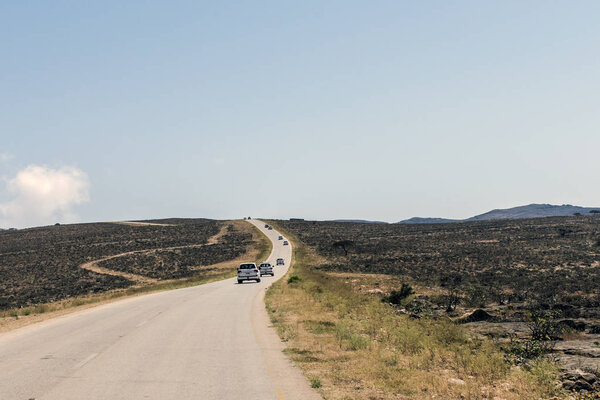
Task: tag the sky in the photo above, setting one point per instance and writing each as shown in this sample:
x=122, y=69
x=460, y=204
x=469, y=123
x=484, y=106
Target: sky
x=379, y=110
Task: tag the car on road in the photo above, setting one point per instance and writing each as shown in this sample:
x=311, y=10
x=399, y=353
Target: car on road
x=285, y=243
x=266, y=269
x=248, y=272
x=266, y=225
x=270, y=228
x=280, y=238
x=280, y=261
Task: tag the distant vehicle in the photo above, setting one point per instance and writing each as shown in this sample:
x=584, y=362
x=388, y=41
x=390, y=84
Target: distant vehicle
x=249, y=218
x=266, y=269
x=266, y=225
x=270, y=228
x=285, y=243
x=280, y=237
x=248, y=272
x=280, y=261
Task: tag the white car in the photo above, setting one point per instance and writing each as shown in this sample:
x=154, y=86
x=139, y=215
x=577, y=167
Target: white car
x=266, y=269
x=248, y=272
x=280, y=261
x=285, y=243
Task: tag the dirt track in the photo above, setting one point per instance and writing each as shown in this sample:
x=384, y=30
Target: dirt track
x=140, y=279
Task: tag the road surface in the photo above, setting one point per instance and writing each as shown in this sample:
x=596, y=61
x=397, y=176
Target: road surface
x=212, y=341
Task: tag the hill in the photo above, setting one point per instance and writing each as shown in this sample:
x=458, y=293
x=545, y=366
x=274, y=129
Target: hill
x=534, y=211
x=420, y=220
x=528, y=211
x=358, y=221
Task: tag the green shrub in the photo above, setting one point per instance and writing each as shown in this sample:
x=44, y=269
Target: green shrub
x=396, y=296
x=315, y=382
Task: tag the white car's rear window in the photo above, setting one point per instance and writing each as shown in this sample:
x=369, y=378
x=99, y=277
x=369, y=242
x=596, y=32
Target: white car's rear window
x=247, y=266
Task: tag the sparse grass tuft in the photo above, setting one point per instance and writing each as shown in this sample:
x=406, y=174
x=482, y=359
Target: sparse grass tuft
x=315, y=382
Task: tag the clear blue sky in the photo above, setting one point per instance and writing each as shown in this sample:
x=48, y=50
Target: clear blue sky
x=317, y=109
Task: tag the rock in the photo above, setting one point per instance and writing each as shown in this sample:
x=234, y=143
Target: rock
x=577, y=386
x=589, y=378
x=575, y=325
x=456, y=381
x=569, y=385
x=478, y=316
x=578, y=380
x=580, y=385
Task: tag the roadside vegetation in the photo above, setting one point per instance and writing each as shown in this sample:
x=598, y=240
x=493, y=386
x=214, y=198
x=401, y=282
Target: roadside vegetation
x=352, y=345
x=530, y=285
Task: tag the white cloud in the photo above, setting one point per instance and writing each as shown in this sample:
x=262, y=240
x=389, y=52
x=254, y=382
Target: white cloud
x=42, y=195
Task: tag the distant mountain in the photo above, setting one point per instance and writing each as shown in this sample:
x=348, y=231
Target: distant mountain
x=419, y=220
x=534, y=211
x=528, y=211
x=359, y=221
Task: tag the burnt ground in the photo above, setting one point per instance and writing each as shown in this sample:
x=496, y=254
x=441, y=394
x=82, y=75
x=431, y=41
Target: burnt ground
x=516, y=271
x=41, y=265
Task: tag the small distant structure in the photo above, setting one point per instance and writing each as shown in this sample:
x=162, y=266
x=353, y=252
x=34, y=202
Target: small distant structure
x=57, y=224
x=296, y=219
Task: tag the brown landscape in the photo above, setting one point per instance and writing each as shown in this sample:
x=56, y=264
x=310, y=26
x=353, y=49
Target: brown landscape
x=529, y=287
x=42, y=267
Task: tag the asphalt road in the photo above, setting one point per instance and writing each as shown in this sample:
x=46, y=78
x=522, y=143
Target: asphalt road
x=211, y=341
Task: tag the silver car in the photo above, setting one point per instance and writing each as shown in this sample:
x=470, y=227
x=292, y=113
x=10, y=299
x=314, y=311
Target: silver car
x=266, y=269
x=280, y=261
x=248, y=272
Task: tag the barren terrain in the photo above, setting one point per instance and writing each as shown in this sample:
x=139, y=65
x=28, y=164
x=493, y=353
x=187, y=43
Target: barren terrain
x=530, y=285
x=49, y=264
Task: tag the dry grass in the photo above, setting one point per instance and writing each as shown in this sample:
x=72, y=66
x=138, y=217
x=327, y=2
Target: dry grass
x=260, y=250
x=352, y=346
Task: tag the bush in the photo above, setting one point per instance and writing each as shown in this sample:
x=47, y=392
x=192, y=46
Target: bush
x=396, y=296
x=529, y=349
x=315, y=382
x=294, y=278
x=544, y=325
